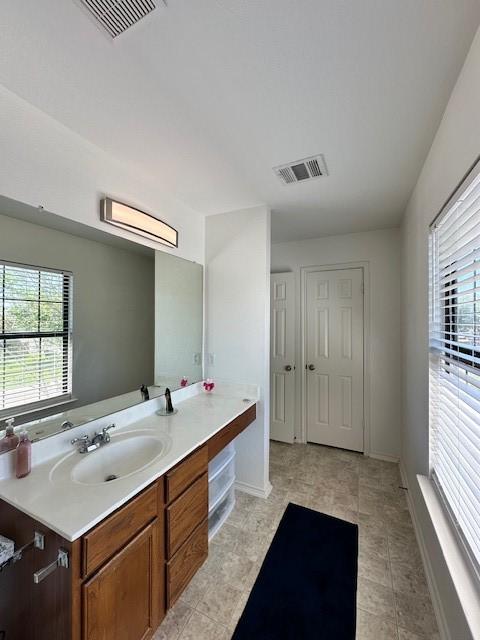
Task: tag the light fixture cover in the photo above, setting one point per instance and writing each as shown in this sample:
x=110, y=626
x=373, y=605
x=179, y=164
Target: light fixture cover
x=144, y=224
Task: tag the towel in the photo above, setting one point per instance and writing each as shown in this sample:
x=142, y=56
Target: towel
x=7, y=549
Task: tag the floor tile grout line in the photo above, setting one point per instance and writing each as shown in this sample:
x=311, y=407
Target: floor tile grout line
x=393, y=590
x=181, y=630
x=222, y=624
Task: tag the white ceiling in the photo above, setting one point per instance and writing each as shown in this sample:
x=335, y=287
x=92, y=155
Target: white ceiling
x=208, y=95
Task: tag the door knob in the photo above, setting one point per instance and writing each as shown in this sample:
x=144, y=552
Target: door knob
x=288, y=367
x=311, y=367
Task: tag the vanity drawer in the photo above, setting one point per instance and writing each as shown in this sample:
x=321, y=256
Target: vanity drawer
x=220, y=440
x=116, y=530
x=182, y=476
x=186, y=513
x=186, y=562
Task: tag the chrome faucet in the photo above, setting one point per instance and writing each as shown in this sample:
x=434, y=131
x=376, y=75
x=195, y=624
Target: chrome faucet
x=87, y=444
x=104, y=436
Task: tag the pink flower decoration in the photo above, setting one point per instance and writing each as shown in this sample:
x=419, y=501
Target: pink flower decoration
x=208, y=385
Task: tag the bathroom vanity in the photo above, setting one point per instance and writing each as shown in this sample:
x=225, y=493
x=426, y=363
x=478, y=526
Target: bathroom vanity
x=133, y=544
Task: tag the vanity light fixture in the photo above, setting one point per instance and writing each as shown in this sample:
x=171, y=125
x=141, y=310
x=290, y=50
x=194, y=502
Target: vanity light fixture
x=144, y=224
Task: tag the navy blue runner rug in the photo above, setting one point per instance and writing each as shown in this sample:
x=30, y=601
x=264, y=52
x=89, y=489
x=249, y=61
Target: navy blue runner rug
x=307, y=586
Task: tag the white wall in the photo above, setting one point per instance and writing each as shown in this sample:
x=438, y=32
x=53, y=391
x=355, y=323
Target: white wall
x=237, y=282
x=381, y=249
x=44, y=163
x=455, y=148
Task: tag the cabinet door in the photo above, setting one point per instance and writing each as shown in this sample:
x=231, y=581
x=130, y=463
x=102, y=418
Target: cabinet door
x=123, y=600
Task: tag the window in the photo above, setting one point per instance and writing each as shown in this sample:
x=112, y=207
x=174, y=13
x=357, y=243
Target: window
x=455, y=360
x=35, y=338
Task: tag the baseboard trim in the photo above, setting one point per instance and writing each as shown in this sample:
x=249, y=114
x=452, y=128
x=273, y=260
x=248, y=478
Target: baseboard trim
x=383, y=456
x=252, y=490
x=432, y=585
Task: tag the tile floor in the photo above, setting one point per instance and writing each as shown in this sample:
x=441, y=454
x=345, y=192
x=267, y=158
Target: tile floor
x=393, y=602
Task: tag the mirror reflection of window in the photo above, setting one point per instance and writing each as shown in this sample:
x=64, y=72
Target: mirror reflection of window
x=35, y=338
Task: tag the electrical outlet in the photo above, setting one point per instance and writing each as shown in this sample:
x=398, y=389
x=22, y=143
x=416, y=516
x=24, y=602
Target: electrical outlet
x=211, y=359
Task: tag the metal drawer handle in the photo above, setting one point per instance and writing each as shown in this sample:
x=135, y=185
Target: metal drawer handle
x=311, y=367
x=288, y=367
x=61, y=561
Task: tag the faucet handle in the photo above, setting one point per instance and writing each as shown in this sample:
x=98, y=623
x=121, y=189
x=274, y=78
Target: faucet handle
x=105, y=434
x=83, y=438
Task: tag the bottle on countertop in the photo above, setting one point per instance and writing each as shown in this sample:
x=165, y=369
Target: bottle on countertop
x=10, y=439
x=24, y=456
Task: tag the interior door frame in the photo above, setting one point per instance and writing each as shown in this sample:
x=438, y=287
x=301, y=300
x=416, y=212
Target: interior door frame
x=365, y=266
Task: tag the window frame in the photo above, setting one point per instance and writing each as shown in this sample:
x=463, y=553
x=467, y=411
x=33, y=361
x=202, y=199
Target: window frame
x=448, y=316
x=66, y=333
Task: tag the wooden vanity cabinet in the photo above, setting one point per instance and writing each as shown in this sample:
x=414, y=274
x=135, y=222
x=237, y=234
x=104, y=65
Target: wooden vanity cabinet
x=185, y=473
x=122, y=601
x=220, y=440
x=124, y=581
x=186, y=521
x=186, y=562
x=109, y=536
x=186, y=513
x=122, y=572
x=31, y=611
x=126, y=571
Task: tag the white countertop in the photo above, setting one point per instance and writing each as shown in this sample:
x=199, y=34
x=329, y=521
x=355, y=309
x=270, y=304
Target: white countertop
x=72, y=509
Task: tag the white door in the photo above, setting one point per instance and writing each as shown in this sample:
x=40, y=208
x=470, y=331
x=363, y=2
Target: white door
x=282, y=351
x=334, y=358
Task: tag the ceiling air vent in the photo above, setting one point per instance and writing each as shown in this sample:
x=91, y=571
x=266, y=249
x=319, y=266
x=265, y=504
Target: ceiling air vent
x=116, y=16
x=301, y=170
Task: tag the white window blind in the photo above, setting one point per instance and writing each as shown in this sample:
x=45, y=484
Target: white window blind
x=455, y=360
x=35, y=337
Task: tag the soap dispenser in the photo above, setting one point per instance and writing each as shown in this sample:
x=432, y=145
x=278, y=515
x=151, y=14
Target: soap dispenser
x=10, y=439
x=24, y=456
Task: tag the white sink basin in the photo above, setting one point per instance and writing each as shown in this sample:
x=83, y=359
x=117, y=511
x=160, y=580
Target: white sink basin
x=127, y=453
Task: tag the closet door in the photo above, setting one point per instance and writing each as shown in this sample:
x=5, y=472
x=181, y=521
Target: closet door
x=282, y=357
x=334, y=358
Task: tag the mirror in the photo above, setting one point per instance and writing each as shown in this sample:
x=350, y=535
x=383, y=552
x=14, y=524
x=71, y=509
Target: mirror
x=178, y=321
x=86, y=319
